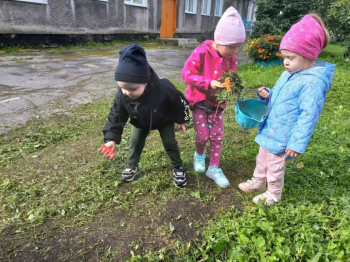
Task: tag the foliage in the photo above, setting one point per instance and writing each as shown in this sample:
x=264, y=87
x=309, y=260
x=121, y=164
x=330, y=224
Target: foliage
x=236, y=86
x=54, y=189
x=312, y=222
x=277, y=16
x=264, y=48
x=339, y=23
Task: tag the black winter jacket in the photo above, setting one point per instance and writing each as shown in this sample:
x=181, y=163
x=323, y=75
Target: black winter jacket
x=160, y=103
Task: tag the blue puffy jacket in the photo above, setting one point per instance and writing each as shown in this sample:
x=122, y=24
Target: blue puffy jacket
x=295, y=105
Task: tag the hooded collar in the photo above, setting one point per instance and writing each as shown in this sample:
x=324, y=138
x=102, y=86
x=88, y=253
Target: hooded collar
x=322, y=70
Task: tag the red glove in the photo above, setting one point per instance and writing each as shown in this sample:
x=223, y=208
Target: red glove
x=106, y=151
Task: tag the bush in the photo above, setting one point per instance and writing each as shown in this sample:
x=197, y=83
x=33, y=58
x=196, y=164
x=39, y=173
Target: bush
x=277, y=16
x=263, y=27
x=339, y=23
x=264, y=48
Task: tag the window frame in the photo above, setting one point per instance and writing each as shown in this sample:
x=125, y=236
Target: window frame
x=194, y=7
x=221, y=6
x=208, y=2
x=250, y=11
x=42, y=2
x=130, y=2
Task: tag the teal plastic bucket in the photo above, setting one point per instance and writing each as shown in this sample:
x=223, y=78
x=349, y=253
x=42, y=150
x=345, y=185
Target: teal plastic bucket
x=250, y=112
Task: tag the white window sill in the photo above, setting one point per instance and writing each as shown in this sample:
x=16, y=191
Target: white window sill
x=44, y=2
x=136, y=5
x=191, y=13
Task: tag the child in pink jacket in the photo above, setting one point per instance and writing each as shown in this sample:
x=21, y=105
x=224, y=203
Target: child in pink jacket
x=207, y=63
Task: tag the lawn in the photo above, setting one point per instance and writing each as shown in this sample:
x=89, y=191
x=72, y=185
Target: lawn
x=60, y=200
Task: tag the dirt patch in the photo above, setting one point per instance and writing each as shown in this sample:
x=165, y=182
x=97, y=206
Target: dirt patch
x=115, y=233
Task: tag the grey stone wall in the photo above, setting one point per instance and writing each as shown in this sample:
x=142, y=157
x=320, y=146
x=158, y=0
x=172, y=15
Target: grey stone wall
x=61, y=22
x=78, y=17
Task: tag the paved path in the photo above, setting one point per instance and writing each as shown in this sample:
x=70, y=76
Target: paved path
x=41, y=83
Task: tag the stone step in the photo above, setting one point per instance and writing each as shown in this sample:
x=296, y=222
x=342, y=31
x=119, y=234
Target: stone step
x=184, y=42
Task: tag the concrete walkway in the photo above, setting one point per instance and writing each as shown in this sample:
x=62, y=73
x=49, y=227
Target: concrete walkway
x=37, y=84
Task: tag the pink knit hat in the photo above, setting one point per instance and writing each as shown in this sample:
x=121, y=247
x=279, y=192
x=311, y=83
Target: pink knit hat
x=305, y=38
x=230, y=29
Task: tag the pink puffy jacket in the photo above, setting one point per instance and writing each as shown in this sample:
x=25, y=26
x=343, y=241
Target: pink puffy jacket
x=203, y=66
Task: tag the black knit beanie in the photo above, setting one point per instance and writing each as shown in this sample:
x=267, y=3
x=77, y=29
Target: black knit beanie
x=133, y=66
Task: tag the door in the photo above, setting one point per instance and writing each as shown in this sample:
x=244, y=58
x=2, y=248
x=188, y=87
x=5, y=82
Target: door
x=168, y=19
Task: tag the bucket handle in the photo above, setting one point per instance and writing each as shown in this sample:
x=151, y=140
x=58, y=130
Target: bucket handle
x=250, y=90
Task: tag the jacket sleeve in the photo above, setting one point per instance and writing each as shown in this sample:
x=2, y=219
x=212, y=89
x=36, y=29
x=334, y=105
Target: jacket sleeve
x=179, y=104
x=191, y=71
x=116, y=121
x=311, y=102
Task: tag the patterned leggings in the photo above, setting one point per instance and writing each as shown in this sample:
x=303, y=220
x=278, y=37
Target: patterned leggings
x=209, y=129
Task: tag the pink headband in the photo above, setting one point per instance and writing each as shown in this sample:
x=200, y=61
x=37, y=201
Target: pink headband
x=305, y=38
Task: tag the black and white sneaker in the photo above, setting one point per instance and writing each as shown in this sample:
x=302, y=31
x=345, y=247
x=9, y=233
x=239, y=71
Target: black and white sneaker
x=129, y=173
x=180, y=176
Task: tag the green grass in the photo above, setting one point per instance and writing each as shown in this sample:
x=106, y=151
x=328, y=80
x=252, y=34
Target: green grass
x=18, y=49
x=54, y=183
x=312, y=223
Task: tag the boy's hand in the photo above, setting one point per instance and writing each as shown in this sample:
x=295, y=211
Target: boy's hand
x=292, y=153
x=182, y=128
x=215, y=84
x=263, y=92
x=108, y=149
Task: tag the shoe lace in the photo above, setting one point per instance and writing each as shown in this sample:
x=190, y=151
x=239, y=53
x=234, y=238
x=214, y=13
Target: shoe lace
x=180, y=171
x=253, y=181
x=200, y=161
x=217, y=171
x=271, y=196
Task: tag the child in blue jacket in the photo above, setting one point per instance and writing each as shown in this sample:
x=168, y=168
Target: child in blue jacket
x=295, y=105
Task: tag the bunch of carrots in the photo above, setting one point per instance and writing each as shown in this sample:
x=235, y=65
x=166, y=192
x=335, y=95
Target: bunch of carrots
x=233, y=85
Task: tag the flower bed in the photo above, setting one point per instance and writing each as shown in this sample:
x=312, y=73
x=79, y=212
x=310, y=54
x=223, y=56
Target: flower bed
x=264, y=48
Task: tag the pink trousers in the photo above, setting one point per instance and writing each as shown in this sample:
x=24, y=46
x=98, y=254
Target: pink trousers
x=271, y=168
x=209, y=126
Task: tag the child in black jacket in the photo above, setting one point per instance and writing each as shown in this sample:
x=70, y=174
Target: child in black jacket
x=150, y=103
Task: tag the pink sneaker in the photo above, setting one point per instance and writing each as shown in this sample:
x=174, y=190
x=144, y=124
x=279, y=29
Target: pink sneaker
x=252, y=185
x=267, y=198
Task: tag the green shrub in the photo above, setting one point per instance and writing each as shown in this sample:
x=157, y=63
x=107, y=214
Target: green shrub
x=339, y=23
x=277, y=16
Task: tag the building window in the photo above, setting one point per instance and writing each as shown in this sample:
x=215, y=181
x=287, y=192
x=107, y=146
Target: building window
x=254, y=13
x=206, y=4
x=34, y=1
x=250, y=11
x=234, y=4
x=191, y=6
x=218, y=7
x=136, y=2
